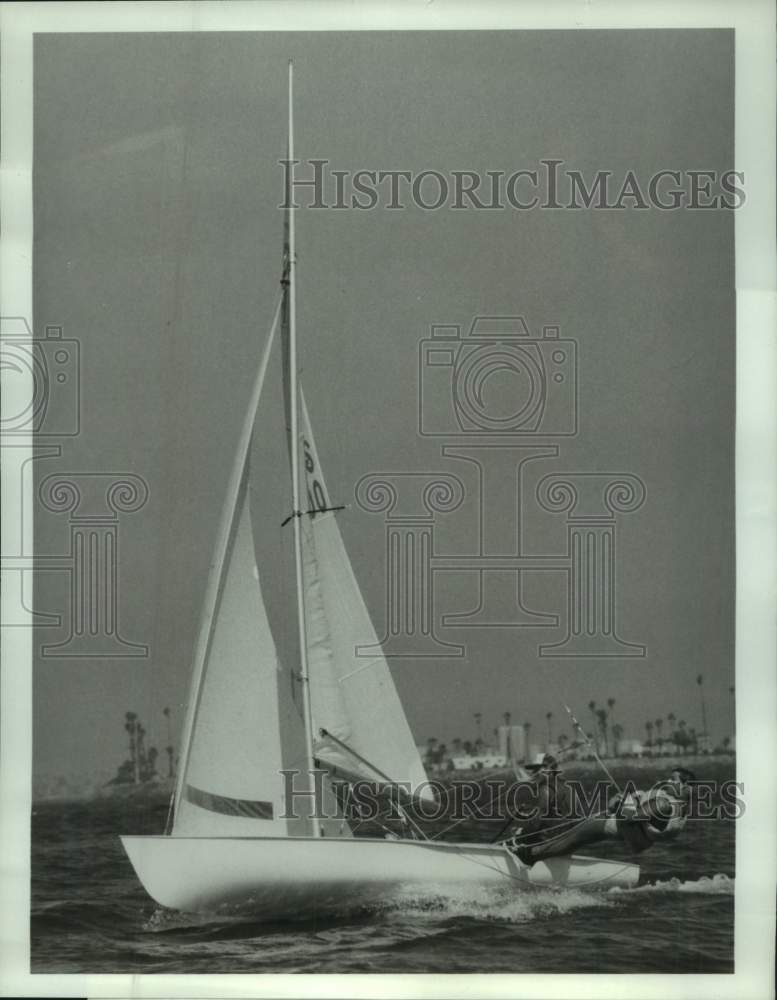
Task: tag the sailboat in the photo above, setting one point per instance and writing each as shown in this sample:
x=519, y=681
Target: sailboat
x=254, y=820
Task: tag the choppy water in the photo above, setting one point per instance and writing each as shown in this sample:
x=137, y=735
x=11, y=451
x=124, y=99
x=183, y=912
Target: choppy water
x=89, y=914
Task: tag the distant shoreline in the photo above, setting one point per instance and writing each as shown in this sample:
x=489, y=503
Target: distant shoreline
x=619, y=764
x=149, y=791
x=160, y=791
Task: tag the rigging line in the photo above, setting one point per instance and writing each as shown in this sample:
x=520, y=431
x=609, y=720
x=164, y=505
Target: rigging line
x=345, y=805
x=377, y=770
x=169, y=820
x=406, y=820
x=495, y=798
x=583, y=733
x=503, y=829
x=560, y=831
x=358, y=756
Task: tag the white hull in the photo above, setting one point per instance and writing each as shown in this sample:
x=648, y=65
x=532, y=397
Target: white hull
x=279, y=876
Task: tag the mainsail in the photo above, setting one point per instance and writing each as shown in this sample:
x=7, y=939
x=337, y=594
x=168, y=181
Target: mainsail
x=354, y=700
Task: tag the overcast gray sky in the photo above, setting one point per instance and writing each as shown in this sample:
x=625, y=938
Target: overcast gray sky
x=157, y=244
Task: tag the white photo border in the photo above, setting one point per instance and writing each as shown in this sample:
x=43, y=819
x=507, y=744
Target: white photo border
x=756, y=481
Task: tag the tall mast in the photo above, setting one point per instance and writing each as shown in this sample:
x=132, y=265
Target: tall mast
x=295, y=465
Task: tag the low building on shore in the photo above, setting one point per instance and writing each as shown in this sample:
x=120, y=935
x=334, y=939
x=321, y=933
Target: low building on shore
x=486, y=760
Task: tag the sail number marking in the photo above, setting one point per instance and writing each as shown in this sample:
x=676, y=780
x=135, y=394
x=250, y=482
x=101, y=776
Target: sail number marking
x=317, y=501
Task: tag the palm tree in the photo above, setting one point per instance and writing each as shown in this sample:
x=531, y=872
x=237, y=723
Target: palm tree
x=592, y=710
x=548, y=717
x=140, y=742
x=611, y=706
x=649, y=729
x=150, y=766
x=601, y=715
x=659, y=738
x=700, y=682
x=671, y=719
x=478, y=717
x=131, y=725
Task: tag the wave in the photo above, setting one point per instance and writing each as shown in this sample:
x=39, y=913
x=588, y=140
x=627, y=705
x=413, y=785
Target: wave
x=716, y=885
x=432, y=904
x=490, y=903
x=100, y=918
x=429, y=906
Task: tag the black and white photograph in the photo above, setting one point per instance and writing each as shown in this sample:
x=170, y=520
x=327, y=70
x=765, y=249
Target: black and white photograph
x=382, y=507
